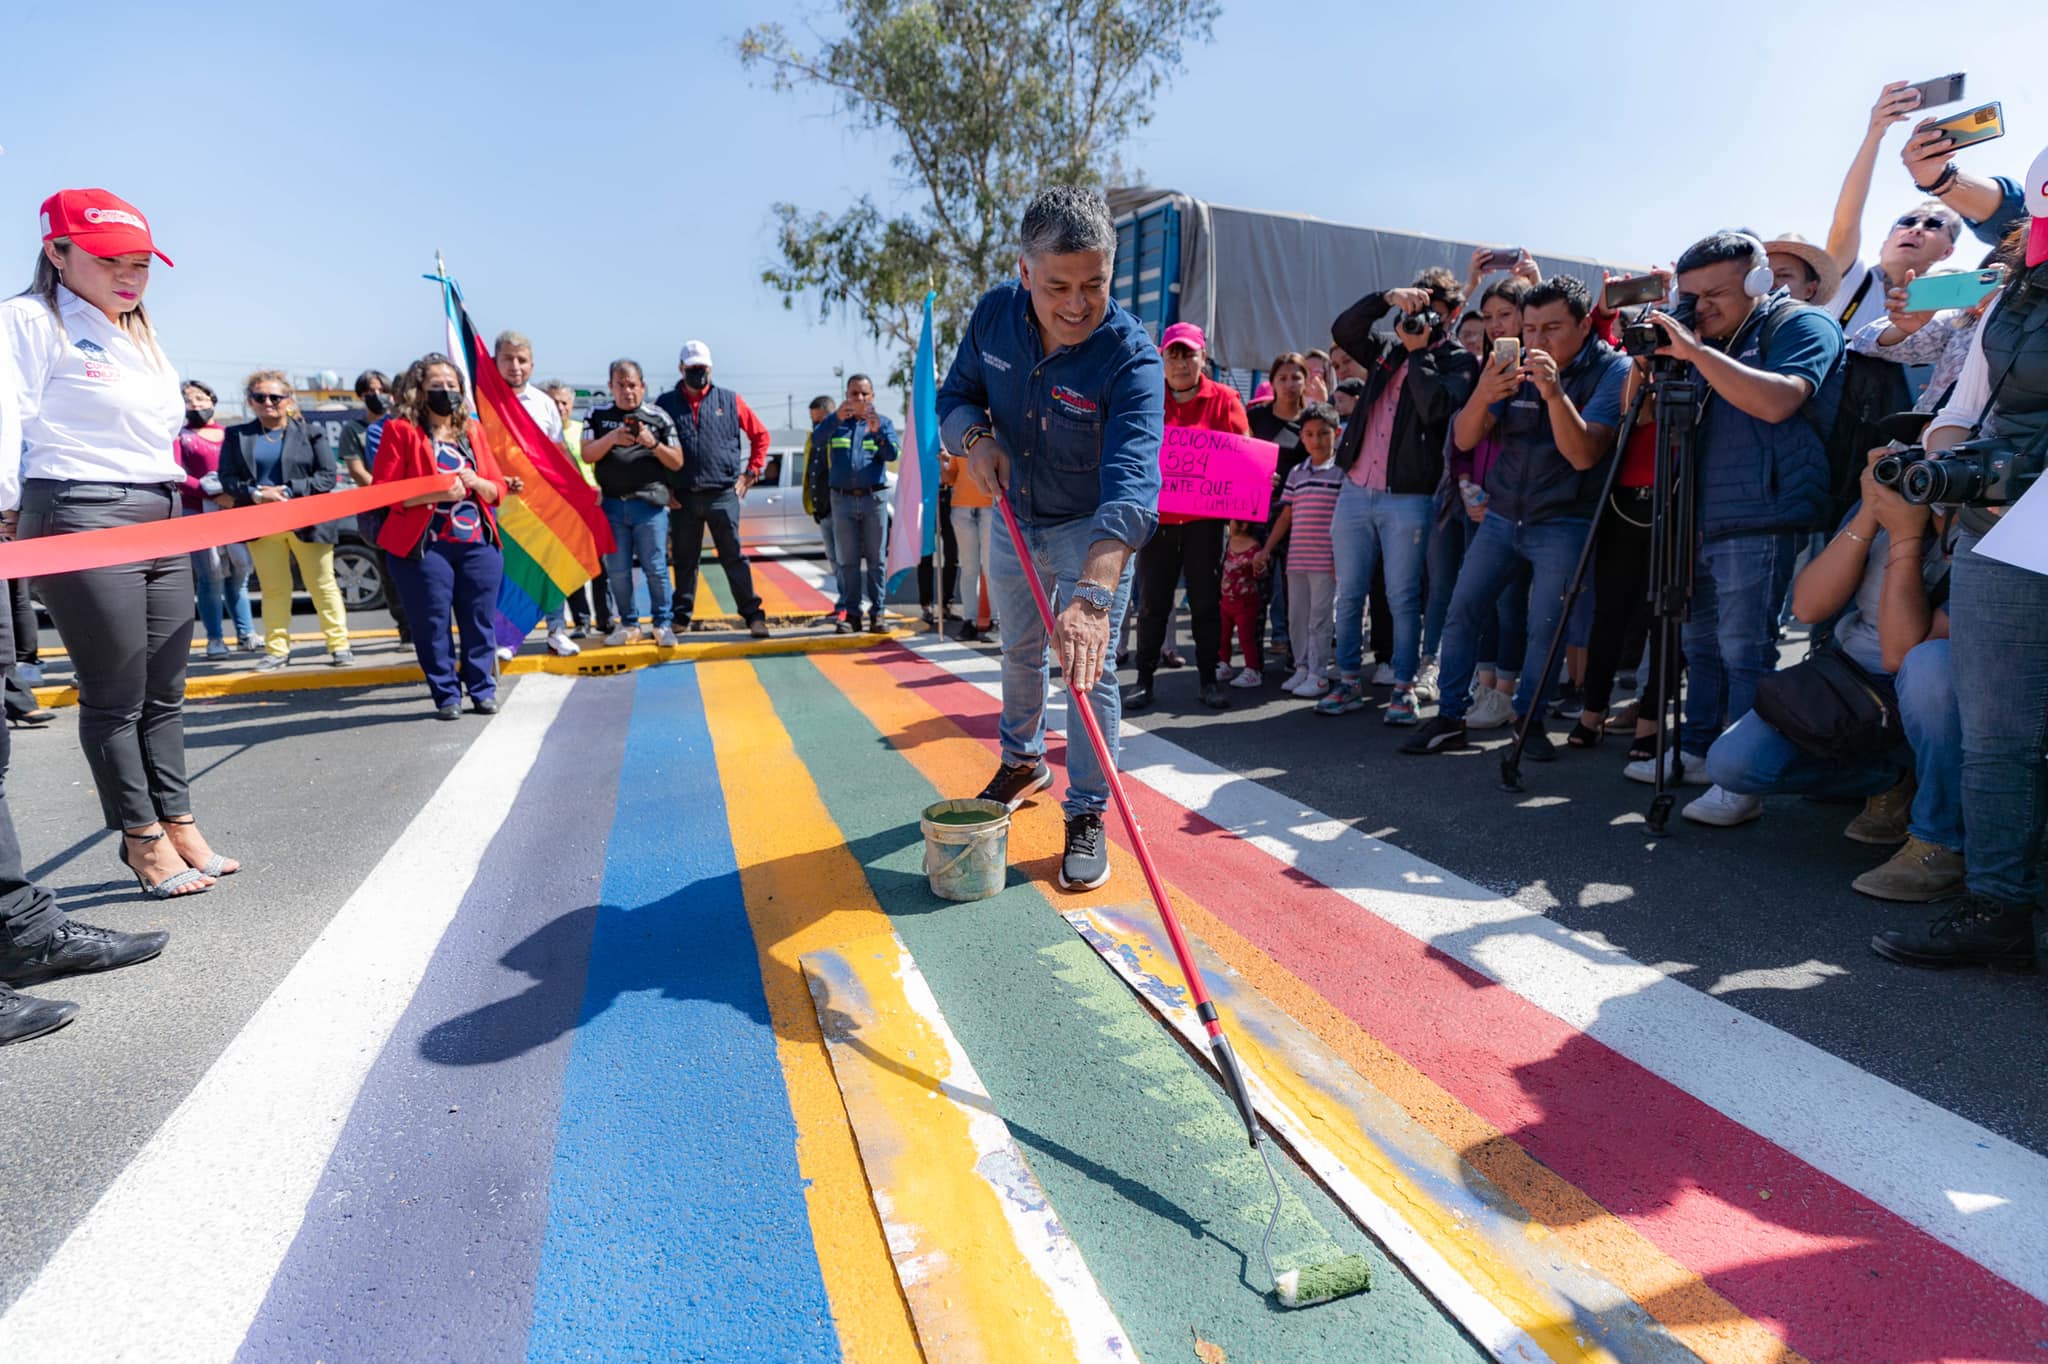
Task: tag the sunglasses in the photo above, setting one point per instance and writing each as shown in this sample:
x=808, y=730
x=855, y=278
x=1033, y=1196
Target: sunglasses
x=269, y=399
x=1932, y=224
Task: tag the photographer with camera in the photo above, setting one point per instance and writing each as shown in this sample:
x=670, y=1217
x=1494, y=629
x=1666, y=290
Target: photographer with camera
x=1392, y=455
x=1772, y=371
x=1557, y=406
x=1984, y=448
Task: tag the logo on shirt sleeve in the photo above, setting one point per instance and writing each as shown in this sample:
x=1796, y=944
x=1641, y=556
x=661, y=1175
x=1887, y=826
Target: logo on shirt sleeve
x=1075, y=404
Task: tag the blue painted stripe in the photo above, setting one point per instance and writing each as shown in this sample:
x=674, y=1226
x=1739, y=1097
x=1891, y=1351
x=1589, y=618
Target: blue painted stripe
x=423, y=1238
x=676, y=1220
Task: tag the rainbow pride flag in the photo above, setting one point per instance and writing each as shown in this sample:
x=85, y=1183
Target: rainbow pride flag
x=554, y=533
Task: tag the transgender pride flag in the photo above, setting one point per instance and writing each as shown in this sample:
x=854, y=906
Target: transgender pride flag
x=554, y=533
x=917, y=472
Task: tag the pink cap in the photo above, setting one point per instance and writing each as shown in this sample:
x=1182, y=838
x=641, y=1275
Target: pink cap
x=2037, y=206
x=1263, y=392
x=1184, y=334
x=99, y=223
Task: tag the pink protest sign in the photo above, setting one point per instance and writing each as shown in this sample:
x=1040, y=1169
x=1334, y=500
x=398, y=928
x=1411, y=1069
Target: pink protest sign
x=1216, y=473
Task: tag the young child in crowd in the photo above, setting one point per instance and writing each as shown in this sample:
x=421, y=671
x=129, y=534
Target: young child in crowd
x=1306, y=504
x=1241, y=573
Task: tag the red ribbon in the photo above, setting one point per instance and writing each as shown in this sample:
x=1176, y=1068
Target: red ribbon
x=49, y=554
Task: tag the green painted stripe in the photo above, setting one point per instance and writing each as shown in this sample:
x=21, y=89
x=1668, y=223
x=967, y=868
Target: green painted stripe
x=1140, y=1152
x=709, y=573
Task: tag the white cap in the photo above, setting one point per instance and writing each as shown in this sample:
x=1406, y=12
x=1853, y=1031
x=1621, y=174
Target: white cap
x=696, y=353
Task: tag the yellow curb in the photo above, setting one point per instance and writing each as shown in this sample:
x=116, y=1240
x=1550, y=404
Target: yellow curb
x=590, y=663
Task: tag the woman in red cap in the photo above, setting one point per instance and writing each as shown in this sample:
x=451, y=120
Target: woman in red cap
x=101, y=409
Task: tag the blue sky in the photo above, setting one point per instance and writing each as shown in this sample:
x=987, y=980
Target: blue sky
x=601, y=179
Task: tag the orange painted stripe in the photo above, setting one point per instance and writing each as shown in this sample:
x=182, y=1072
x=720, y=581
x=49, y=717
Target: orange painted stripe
x=1705, y=1321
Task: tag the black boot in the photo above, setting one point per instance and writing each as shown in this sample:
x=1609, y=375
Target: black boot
x=74, y=949
x=1977, y=931
x=25, y=1016
x=1139, y=697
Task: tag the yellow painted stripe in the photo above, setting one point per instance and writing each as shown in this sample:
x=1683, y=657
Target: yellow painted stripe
x=805, y=892
x=1701, y=1318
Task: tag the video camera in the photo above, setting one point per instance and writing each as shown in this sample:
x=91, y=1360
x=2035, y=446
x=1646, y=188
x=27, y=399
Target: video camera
x=1976, y=473
x=1641, y=336
x=1420, y=324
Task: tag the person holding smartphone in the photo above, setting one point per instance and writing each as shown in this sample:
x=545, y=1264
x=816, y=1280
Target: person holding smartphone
x=858, y=444
x=632, y=447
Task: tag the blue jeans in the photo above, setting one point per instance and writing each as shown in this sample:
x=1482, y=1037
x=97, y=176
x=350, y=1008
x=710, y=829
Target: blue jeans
x=453, y=584
x=1550, y=549
x=1059, y=552
x=1753, y=759
x=857, y=537
x=1731, y=635
x=1369, y=526
x=2001, y=671
x=223, y=593
x=637, y=528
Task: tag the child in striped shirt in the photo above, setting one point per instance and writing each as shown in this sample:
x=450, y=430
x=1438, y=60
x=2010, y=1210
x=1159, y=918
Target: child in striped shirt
x=1306, y=505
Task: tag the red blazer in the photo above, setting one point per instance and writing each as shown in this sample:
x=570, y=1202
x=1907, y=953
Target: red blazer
x=406, y=452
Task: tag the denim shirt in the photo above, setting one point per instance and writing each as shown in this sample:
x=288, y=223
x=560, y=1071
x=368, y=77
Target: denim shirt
x=855, y=452
x=1082, y=426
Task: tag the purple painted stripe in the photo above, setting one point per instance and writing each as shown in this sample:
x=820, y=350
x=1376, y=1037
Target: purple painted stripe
x=423, y=1239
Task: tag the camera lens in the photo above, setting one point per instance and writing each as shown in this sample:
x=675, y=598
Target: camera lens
x=1942, y=480
x=1888, y=470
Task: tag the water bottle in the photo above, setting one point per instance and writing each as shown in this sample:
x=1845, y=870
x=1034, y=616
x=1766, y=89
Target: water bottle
x=1474, y=495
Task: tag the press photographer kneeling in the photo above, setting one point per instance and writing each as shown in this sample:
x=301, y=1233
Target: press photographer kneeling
x=1772, y=370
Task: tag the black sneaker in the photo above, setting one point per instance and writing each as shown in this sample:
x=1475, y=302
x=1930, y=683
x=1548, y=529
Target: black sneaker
x=1139, y=697
x=75, y=949
x=1538, y=748
x=1570, y=702
x=25, y=1016
x=843, y=626
x=1439, y=734
x=1214, y=696
x=1011, y=786
x=968, y=634
x=1978, y=931
x=1085, y=863
x=875, y=625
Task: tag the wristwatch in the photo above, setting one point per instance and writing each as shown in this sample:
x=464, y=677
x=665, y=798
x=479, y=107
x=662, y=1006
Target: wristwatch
x=1094, y=596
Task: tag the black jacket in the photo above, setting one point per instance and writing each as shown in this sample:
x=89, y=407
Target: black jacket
x=1441, y=377
x=308, y=468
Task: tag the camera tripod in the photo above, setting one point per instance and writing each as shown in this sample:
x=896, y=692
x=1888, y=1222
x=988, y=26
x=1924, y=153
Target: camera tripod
x=1674, y=508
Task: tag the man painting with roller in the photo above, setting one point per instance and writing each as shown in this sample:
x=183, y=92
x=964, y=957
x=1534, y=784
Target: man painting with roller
x=1056, y=398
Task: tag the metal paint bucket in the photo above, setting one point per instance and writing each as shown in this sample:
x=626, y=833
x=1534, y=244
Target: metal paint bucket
x=966, y=848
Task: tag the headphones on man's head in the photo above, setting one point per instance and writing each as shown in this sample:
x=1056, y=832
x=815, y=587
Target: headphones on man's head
x=1758, y=281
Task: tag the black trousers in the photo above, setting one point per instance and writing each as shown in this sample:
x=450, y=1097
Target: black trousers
x=1621, y=601
x=949, y=578
x=587, y=612
x=129, y=631
x=1194, y=549
x=718, y=508
x=28, y=912
x=25, y=631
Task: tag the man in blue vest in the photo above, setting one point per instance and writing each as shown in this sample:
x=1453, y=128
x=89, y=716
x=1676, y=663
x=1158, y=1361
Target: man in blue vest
x=1058, y=400
x=725, y=447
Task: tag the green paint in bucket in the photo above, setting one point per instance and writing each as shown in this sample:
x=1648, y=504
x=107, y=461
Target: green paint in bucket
x=966, y=848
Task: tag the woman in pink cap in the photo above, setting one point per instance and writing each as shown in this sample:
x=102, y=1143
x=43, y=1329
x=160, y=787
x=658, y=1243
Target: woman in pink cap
x=101, y=413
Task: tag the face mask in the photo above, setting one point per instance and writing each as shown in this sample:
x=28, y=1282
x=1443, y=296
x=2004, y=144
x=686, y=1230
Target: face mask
x=442, y=402
x=196, y=417
x=376, y=404
x=697, y=377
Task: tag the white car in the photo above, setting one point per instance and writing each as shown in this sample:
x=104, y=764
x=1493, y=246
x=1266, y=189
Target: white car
x=772, y=514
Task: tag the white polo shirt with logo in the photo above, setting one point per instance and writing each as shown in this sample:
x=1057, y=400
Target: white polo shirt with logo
x=96, y=406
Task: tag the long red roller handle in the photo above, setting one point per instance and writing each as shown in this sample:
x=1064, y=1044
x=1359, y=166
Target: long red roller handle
x=1205, y=1009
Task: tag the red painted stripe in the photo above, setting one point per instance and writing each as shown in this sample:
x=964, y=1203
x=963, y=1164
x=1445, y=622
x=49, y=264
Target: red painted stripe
x=1839, y=1276
x=800, y=592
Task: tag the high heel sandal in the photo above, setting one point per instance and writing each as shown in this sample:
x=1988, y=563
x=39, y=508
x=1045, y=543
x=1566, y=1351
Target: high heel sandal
x=172, y=887
x=216, y=865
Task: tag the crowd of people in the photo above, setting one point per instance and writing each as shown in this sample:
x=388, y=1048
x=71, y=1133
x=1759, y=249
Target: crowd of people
x=1446, y=465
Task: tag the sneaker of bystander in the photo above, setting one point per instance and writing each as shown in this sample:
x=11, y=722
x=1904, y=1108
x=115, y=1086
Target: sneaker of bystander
x=1490, y=709
x=1722, y=808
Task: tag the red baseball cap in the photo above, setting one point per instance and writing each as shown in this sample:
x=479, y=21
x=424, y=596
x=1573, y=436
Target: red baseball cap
x=98, y=222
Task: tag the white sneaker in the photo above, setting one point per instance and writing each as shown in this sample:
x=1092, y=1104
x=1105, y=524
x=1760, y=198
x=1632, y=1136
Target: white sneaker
x=664, y=637
x=625, y=634
x=506, y=653
x=1725, y=809
x=1247, y=679
x=1225, y=673
x=1644, y=770
x=563, y=646
x=1490, y=709
x=1425, y=681
x=1313, y=688
x=1383, y=676
x=1292, y=686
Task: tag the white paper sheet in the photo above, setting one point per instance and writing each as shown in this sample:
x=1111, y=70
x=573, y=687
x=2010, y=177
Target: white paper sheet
x=2021, y=536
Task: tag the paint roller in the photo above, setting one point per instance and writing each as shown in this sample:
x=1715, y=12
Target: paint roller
x=1309, y=1284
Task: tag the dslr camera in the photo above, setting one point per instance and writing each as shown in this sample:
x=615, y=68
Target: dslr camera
x=1641, y=336
x=1977, y=473
x=1420, y=324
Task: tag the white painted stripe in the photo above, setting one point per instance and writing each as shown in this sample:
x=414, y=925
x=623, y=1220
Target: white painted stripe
x=191, y=1233
x=1935, y=1169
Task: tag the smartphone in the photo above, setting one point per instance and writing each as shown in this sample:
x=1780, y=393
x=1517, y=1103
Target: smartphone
x=1980, y=124
x=1632, y=289
x=1505, y=258
x=1941, y=90
x=1953, y=289
x=1507, y=352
